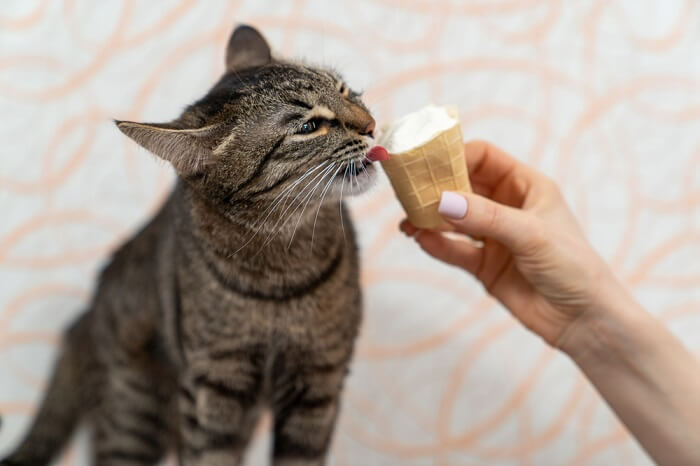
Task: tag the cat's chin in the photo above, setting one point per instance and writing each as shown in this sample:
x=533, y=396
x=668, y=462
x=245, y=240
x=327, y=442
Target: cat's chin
x=353, y=183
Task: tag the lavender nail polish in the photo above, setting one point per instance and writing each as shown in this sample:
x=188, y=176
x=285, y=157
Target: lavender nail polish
x=452, y=205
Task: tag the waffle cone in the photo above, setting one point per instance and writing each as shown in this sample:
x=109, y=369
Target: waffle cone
x=420, y=175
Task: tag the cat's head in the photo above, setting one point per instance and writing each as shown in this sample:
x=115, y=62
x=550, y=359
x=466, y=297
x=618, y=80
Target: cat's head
x=266, y=126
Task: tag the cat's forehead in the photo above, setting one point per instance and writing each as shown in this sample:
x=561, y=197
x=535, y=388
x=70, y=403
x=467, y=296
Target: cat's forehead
x=271, y=83
x=332, y=75
x=323, y=77
x=282, y=77
x=327, y=80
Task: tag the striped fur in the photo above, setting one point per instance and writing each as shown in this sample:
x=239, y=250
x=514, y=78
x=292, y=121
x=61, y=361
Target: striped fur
x=241, y=295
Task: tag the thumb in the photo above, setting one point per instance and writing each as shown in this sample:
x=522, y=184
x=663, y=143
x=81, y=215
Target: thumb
x=478, y=216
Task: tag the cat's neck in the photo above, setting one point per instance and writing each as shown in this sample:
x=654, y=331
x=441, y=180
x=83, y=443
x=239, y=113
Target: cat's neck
x=282, y=241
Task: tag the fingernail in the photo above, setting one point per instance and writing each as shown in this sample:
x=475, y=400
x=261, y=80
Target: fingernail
x=452, y=205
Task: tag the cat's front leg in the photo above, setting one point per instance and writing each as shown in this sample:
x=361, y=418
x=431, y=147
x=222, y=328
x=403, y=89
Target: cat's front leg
x=219, y=408
x=304, y=426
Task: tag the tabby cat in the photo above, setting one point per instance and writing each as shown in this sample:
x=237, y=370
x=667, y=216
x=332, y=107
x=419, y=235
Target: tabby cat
x=242, y=294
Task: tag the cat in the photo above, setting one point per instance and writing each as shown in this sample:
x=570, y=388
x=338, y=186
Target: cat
x=242, y=293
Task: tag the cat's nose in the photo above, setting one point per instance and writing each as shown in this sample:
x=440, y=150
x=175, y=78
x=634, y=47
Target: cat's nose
x=369, y=129
x=357, y=119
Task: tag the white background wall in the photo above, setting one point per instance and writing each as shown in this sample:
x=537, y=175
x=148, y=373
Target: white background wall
x=602, y=95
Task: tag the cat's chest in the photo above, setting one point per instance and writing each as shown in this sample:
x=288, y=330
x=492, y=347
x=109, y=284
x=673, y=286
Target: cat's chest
x=288, y=315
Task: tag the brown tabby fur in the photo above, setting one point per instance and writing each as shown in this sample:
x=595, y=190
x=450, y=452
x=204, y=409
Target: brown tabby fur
x=242, y=294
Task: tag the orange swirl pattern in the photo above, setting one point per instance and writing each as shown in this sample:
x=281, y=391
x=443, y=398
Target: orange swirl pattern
x=602, y=95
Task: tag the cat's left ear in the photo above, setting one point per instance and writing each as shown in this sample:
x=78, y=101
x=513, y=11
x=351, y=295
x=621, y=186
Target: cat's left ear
x=186, y=149
x=247, y=48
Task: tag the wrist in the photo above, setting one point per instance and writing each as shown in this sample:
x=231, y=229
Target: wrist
x=642, y=371
x=605, y=327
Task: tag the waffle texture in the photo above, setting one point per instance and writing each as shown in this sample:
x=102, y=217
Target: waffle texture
x=420, y=175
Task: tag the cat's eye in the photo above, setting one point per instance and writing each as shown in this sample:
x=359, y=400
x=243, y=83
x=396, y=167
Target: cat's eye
x=310, y=126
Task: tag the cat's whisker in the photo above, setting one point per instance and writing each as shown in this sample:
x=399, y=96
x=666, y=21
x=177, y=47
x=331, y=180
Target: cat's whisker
x=365, y=170
x=352, y=170
x=275, y=229
x=304, y=195
x=290, y=203
x=276, y=202
x=281, y=197
x=354, y=175
x=340, y=203
x=320, y=203
x=287, y=191
x=301, y=215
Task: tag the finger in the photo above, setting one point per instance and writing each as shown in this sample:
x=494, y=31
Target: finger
x=487, y=162
x=454, y=251
x=511, y=191
x=478, y=216
x=488, y=165
x=408, y=228
x=481, y=189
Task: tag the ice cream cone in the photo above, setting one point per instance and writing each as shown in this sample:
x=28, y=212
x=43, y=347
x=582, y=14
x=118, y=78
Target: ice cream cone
x=421, y=174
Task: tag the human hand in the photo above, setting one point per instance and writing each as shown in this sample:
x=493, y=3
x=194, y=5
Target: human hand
x=537, y=262
x=535, y=259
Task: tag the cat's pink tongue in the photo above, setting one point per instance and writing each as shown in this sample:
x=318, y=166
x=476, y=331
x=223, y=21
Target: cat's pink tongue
x=377, y=154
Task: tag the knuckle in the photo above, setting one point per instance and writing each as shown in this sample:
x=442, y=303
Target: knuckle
x=476, y=145
x=537, y=237
x=551, y=186
x=492, y=217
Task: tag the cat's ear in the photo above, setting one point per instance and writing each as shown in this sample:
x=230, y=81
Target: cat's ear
x=247, y=48
x=186, y=149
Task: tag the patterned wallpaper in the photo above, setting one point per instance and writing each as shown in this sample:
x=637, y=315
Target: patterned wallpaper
x=602, y=95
